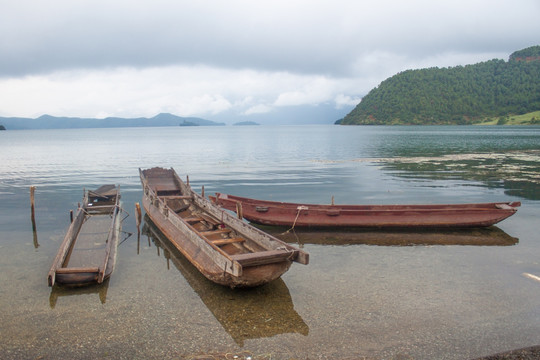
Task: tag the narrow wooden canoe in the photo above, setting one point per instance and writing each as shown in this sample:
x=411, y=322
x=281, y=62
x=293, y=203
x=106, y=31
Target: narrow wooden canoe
x=406, y=216
x=88, y=253
x=223, y=248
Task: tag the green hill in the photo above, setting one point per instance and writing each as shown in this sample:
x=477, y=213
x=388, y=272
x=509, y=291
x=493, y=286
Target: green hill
x=455, y=95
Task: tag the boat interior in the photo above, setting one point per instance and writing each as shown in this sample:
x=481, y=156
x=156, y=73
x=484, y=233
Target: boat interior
x=245, y=251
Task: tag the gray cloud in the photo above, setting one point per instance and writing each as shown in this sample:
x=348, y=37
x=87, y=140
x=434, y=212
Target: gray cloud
x=296, y=36
x=342, y=41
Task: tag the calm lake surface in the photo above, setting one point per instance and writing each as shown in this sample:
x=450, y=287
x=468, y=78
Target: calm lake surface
x=365, y=294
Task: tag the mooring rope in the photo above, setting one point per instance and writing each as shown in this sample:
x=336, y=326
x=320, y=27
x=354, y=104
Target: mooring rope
x=299, y=208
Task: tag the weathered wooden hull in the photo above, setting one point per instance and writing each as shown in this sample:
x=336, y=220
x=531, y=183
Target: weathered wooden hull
x=87, y=254
x=405, y=216
x=224, y=249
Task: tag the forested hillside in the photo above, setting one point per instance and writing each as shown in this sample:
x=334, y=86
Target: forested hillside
x=455, y=95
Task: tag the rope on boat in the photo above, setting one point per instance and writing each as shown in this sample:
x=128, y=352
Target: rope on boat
x=291, y=256
x=299, y=209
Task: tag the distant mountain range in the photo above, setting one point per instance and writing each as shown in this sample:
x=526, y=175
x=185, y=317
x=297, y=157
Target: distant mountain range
x=53, y=122
x=326, y=113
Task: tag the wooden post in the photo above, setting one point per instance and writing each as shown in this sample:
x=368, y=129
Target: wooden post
x=187, y=180
x=32, y=191
x=70, y=215
x=202, y=193
x=332, y=199
x=138, y=216
x=239, y=211
x=33, y=215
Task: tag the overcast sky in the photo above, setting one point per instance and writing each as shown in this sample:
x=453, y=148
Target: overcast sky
x=134, y=58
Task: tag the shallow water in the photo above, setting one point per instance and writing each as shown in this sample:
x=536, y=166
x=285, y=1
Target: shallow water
x=365, y=294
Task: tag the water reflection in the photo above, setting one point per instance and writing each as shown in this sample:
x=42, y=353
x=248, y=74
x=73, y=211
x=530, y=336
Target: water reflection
x=35, y=238
x=491, y=236
x=33, y=215
x=252, y=313
x=60, y=291
x=518, y=172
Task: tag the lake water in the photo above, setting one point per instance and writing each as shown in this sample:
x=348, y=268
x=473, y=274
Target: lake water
x=364, y=295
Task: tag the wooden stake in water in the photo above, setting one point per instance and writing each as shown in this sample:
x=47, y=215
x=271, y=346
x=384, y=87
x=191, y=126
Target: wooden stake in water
x=32, y=205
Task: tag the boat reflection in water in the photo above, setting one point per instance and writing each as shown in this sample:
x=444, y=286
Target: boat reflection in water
x=490, y=236
x=250, y=313
x=59, y=291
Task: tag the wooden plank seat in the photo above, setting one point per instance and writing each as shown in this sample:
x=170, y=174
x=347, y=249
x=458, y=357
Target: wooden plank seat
x=71, y=270
x=175, y=197
x=201, y=217
x=263, y=257
x=109, y=206
x=209, y=219
x=167, y=188
x=215, y=232
x=220, y=242
x=193, y=219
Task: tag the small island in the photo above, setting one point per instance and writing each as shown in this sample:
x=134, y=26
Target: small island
x=188, y=123
x=2, y=127
x=246, y=123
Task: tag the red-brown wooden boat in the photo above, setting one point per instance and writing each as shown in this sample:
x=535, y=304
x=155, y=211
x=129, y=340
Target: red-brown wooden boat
x=309, y=215
x=223, y=248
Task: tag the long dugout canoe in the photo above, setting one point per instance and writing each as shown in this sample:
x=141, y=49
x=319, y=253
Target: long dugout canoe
x=266, y=212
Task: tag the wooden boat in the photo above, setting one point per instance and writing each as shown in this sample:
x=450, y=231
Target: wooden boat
x=406, y=216
x=223, y=248
x=88, y=253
